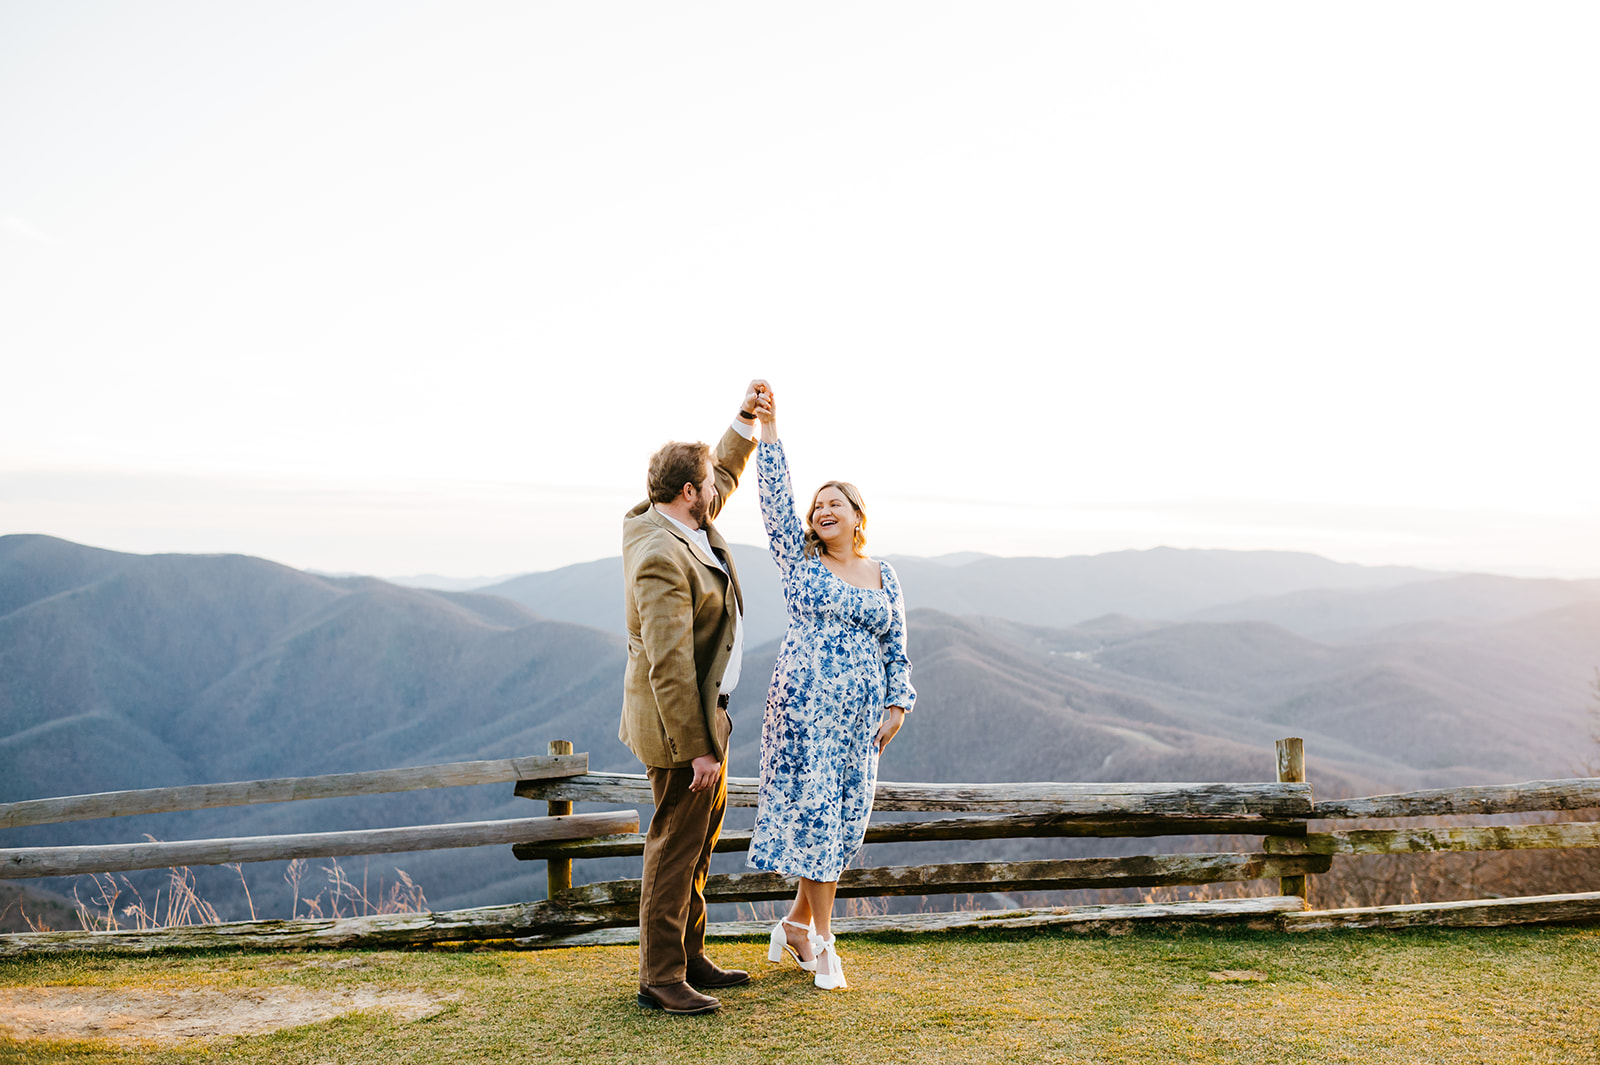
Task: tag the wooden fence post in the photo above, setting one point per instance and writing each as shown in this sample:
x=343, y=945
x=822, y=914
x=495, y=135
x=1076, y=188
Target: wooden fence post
x=1291, y=770
x=558, y=871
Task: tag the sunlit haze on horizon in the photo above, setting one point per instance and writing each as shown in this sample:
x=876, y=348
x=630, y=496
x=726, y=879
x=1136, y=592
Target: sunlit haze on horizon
x=405, y=288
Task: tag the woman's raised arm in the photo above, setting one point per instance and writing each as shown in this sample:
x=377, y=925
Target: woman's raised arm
x=786, y=537
x=767, y=411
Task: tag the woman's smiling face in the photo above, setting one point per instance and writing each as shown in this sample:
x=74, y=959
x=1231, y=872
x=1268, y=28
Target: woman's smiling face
x=834, y=520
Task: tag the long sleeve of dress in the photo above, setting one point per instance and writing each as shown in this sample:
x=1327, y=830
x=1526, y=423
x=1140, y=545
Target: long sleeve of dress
x=892, y=647
x=786, y=537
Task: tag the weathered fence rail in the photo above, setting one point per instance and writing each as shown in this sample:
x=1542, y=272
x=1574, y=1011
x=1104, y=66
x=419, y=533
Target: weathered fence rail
x=1069, y=874
x=28, y=862
x=1119, y=801
x=1534, y=796
x=1016, y=826
x=541, y=923
x=1281, y=813
x=1423, y=840
x=21, y=862
x=379, y=930
x=286, y=789
x=1578, y=908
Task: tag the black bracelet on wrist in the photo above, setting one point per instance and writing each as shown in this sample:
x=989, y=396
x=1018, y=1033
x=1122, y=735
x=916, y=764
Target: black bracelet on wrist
x=746, y=415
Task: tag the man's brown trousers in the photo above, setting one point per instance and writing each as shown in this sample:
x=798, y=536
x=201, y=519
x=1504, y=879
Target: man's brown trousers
x=677, y=857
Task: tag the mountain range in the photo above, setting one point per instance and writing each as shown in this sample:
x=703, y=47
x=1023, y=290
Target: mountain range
x=1304, y=593
x=124, y=671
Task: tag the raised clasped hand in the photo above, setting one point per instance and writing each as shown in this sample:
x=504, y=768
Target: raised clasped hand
x=766, y=401
x=758, y=393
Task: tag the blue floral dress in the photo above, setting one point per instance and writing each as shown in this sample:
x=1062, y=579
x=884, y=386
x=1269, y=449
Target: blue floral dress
x=843, y=662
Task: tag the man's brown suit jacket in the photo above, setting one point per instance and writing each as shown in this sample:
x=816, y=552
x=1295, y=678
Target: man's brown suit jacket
x=679, y=608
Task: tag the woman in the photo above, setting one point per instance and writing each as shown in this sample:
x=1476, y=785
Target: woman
x=840, y=691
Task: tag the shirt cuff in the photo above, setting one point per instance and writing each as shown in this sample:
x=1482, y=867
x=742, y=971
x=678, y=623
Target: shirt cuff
x=744, y=428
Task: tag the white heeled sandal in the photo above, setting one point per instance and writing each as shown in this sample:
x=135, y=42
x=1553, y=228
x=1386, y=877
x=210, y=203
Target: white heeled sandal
x=830, y=970
x=778, y=943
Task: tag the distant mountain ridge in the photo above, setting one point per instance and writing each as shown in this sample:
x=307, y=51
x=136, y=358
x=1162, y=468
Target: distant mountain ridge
x=127, y=671
x=1161, y=582
x=122, y=671
x=1346, y=614
x=1123, y=699
x=1304, y=593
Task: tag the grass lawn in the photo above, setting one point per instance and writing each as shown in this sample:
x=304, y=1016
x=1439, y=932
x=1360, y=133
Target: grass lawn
x=1492, y=996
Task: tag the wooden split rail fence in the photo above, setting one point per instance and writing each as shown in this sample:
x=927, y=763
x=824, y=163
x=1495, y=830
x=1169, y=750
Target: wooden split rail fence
x=24, y=862
x=1278, y=812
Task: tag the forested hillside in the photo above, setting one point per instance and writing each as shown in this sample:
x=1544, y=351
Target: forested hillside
x=124, y=671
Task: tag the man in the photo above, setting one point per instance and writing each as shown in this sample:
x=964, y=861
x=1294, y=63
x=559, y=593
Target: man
x=685, y=638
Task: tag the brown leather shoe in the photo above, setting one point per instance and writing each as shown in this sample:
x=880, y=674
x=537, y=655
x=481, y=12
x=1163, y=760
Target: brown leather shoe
x=677, y=998
x=703, y=972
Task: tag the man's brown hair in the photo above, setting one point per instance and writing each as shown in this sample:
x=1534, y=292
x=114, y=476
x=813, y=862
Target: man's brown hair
x=675, y=465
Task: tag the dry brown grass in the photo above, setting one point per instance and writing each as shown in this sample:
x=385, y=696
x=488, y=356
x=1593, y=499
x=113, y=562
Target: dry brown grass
x=1508, y=996
x=112, y=902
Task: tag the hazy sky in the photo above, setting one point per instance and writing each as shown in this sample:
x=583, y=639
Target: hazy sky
x=405, y=288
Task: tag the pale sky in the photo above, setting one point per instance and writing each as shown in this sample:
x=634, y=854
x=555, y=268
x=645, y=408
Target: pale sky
x=402, y=288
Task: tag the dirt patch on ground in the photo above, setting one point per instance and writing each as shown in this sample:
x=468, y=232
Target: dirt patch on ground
x=139, y=1015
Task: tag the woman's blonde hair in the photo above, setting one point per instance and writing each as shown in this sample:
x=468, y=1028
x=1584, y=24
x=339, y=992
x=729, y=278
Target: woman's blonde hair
x=852, y=495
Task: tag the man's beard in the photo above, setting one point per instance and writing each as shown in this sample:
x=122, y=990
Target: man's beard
x=699, y=509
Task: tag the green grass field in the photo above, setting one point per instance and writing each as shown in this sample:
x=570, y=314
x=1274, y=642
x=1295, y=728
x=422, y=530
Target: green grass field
x=1495, y=996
